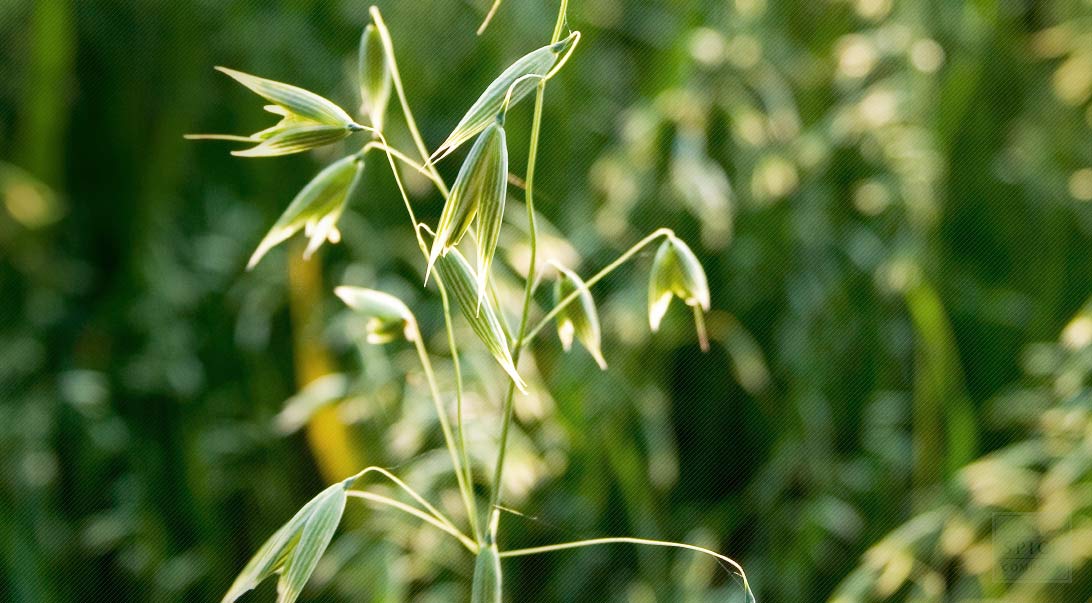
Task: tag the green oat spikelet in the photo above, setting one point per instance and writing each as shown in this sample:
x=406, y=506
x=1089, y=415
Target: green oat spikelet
x=388, y=317
x=375, y=77
x=483, y=318
x=676, y=272
x=480, y=187
x=316, y=209
x=579, y=319
x=307, y=120
x=522, y=77
x=294, y=549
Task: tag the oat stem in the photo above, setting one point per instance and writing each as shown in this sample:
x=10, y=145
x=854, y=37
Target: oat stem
x=465, y=489
x=532, y=156
x=628, y=540
x=401, y=506
x=465, y=474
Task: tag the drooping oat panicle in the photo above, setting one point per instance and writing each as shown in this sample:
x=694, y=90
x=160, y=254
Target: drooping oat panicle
x=316, y=209
x=485, y=586
x=676, y=272
x=375, y=76
x=481, y=178
x=580, y=318
x=307, y=120
x=294, y=549
x=388, y=317
x=483, y=318
x=522, y=74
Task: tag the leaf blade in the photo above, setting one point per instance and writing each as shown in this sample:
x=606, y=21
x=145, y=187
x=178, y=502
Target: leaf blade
x=315, y=536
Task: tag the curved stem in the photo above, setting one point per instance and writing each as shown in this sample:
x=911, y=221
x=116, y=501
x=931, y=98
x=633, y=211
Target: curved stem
x=418, y=140
x=405, y=488
x=375, y=144
x=489, y=16
x=622, y=259
x=449, y=439
x=396, y=79
x=628, y=540
x=517, y=348
x=466, y=480
x=401, y=506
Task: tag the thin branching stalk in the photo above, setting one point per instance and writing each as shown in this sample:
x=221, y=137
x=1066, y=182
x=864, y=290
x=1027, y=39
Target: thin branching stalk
x=401, y=506
x=406, y=159
x=622, y=259
x=408, y=490
x=449, y=439
x=629, y=540
x=418, y=140
x=466, y=480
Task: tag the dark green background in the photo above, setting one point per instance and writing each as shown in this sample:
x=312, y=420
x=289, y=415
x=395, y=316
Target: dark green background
x=905, y=233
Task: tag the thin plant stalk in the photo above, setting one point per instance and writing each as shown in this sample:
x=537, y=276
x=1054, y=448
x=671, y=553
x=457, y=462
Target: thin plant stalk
x=517, y=348
x=375, y=144
x=459, y=429
x=419, y=142
x=408, y=490
x=622, y=259
x=396, y=79
x=629, y=540
x=489, y=16
x=449, y=438
x=401, y=506
x=466, y=479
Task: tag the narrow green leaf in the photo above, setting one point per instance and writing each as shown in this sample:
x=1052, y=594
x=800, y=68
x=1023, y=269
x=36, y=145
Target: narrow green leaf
x=485, y=164
x=303, y=103
x=486, y=584
x=275, y=552
x=315, y=536
x=375, y=76
x=489, y=104
x=580, y=318
x=459, y=279
x=316, y=208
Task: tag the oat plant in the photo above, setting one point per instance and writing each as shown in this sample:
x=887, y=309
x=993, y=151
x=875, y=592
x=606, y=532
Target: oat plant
x=457, y=256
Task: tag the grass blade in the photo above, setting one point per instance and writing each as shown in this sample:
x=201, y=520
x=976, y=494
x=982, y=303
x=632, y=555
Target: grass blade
x=315, y=536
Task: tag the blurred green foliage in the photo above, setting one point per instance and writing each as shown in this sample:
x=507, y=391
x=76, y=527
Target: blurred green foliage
x=893, y=202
